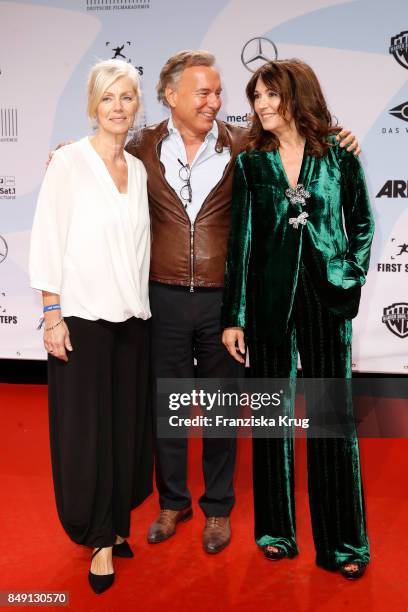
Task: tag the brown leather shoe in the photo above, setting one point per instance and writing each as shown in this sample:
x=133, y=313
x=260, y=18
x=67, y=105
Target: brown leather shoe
x=165, y=525
x=216, y=534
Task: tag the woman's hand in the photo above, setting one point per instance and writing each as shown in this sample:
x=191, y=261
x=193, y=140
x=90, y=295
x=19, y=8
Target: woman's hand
x=347, y=139
x=233, y=340
x=57, y=341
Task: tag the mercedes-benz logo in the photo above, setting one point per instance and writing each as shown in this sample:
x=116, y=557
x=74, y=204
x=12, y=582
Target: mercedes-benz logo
x=3, y=249
x=258, y=51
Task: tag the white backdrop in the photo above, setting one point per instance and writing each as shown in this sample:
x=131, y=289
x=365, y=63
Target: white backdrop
x=48, y=46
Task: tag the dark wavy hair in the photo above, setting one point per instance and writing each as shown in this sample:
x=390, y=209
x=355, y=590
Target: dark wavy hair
x=301, y=96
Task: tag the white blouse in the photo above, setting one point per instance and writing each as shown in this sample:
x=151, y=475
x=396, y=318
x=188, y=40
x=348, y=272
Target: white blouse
x=90, y=244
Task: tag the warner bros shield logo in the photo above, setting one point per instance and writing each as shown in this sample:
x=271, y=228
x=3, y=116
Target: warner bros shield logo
x=396, y=319
x=399, y=48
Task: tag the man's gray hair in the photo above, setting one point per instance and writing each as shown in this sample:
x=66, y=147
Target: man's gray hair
x=172, y=69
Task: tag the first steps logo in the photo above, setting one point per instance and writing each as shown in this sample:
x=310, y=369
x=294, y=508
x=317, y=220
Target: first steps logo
x=7, y=187
x=116, y=5
x=6, y=319
x=399, y=48
x=399, y=257
x=119, y=52
x=396, y=319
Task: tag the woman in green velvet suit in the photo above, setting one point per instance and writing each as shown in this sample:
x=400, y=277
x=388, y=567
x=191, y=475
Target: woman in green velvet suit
x=293, y=283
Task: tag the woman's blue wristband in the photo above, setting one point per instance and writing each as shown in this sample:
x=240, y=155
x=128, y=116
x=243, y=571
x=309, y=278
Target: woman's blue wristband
x=51, y=307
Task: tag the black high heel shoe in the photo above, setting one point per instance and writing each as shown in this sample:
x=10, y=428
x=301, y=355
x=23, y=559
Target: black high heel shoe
x=122, y=550
x=274, y=555
x=100, y=583
x=353, y=574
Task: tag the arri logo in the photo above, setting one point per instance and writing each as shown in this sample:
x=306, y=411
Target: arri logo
x=396, y=319
x=399, y=48
x=119, y=52
x=7, y=187
x=258, y=51
x=393, y=189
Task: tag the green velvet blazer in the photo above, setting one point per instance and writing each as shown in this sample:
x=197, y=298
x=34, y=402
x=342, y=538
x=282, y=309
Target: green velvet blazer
x=329, y=229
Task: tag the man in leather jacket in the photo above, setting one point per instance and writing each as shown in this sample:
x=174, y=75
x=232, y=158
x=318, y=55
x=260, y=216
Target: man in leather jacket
x=190, y=160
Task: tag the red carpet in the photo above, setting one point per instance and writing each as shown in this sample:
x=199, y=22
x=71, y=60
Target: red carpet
x=37, y=556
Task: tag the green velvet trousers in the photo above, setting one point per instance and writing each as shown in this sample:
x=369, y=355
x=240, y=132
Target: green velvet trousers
x=334, y=480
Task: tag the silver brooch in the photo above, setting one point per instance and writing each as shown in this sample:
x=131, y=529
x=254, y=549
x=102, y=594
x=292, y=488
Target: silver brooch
x=298, y=195
x=302, y=219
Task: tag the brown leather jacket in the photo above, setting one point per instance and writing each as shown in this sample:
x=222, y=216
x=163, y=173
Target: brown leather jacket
x=182, y=253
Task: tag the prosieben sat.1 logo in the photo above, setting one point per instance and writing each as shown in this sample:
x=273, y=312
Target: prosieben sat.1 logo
x=7, y=187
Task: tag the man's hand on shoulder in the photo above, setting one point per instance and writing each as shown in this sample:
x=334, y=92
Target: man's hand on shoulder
x=347, y=139
x=51, y=153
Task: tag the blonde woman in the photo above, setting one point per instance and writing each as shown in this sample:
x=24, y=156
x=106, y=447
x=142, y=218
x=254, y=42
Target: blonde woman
x=90, y=251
